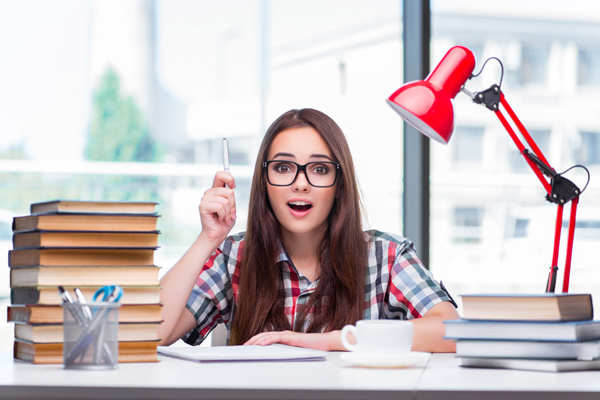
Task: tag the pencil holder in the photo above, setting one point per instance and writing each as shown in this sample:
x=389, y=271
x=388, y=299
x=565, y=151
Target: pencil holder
x=90, y=333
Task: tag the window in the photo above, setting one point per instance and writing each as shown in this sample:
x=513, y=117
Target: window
x=588, y=152
x=506, y=223
x=589, y=67
x=130, y=100
x=467, y=143
x=517, y=162
x=467, y=223
x=521, y=226
x=534, y=64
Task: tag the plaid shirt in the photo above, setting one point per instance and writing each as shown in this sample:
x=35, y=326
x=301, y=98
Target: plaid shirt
x=397, y=285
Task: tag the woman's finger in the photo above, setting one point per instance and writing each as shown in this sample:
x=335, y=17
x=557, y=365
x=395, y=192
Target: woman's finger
x=223, y=179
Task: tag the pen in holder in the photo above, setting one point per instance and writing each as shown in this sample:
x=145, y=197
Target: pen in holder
x=91, y=330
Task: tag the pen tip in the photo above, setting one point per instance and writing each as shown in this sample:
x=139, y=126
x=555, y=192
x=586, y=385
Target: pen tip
x=61, y=289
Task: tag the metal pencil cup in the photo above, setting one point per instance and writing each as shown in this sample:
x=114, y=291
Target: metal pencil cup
x=90, y=333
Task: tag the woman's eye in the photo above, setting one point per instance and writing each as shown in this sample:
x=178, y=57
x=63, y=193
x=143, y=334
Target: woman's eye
x=283, y=168
x=320, y=169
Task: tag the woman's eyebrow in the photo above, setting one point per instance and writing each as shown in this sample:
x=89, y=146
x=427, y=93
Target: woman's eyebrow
x=290, y=155
x=284, y=155
x=321, y=156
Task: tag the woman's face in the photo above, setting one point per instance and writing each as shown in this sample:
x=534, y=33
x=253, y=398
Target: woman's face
x=300, y=208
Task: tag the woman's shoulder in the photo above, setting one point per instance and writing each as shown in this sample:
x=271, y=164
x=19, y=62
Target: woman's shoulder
x=236, y=237
x=233, y=243
x=387, y=239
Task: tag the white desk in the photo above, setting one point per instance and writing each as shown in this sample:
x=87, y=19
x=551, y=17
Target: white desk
x=178, y=379
x=444, y=379
x=440, y=378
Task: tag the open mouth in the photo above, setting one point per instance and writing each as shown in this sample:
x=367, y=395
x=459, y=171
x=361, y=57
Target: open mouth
x=299, y=206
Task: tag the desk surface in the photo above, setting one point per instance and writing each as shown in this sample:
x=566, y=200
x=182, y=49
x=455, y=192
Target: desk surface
x=439, y=378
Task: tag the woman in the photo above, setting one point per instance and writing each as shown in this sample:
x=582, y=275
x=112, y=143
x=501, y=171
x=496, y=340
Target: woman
x=304, y=268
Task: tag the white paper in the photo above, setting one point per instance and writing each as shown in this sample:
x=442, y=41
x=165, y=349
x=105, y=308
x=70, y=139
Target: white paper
x=274, y=352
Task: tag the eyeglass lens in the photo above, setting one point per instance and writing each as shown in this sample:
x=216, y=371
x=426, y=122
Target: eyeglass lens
x=284, y=173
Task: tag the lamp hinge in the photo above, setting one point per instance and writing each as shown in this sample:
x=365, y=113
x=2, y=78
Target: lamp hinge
x=489, y=97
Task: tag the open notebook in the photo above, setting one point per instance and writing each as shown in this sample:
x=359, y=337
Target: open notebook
x=274, y=352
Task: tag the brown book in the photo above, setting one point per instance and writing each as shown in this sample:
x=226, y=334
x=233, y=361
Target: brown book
x=48, y=295
x=52, y=353
x=84, y=239
x=53, y=333
x=38, y=314
x=84, y=276
x=86, y=222
x=528, y=307
x=80, y=206
x=83, y=256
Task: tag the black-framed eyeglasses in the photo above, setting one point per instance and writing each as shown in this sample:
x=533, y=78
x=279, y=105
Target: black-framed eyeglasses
x=319, y=174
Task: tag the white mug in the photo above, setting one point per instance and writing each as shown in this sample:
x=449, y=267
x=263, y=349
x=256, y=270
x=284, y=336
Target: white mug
x=379, y=337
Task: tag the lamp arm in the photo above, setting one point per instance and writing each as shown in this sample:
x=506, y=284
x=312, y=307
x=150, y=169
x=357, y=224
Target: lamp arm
x=559, y=190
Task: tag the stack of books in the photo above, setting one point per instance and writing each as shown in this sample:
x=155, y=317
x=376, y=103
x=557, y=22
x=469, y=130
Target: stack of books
x=546, y=332
x=86, y=245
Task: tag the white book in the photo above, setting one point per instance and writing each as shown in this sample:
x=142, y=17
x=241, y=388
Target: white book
x=530, y=364
x=274, y=352
x=528, y=349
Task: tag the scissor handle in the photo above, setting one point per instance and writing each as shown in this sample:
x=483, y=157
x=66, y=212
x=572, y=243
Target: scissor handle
x=110, y=293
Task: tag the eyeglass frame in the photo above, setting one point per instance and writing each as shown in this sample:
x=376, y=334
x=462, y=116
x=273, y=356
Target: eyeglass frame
x=302, y=168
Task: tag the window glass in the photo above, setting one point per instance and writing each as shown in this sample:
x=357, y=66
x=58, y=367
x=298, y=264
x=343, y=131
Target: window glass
x=130, y=100
x=468, y=145
x=550, y=83
x=589, y=67
x=517, y=162
x=588, y=150
x=467, y=224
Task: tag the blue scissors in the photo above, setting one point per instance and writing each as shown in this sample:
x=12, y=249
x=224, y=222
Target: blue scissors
x=110, y=293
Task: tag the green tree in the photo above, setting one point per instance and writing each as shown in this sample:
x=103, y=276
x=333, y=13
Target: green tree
x=118, y=130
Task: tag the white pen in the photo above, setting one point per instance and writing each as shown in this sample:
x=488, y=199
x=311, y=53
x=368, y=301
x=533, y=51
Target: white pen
x=225, y=155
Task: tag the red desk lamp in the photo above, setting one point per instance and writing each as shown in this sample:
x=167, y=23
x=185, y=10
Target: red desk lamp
x=427, y=106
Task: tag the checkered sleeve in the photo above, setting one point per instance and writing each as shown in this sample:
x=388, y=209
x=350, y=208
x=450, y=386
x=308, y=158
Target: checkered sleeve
x=211, y=300
x=412, y=288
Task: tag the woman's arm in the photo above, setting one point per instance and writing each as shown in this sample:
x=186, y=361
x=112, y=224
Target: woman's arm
x=429, y=331
x=428, y=334
x=217, y=214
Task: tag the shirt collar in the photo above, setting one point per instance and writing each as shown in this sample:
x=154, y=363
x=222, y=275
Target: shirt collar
x=282, y=255
x=285, y=261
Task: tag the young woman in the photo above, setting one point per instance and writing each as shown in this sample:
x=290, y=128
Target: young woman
x=304, y=268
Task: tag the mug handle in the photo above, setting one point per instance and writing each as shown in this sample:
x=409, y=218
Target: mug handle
x=345, y=330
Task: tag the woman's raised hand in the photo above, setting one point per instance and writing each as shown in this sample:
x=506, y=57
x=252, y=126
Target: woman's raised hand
x=217, y=208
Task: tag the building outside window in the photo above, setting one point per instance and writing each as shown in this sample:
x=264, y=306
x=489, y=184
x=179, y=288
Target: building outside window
x=589, y=67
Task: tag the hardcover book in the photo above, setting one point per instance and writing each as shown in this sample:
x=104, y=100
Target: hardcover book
x=528, y=307
x=53, y=333
x=589, y=350
x=32, y=314
x=134, y=207
x=86, y=222
x=85, y=276
x=48, y=295
x=523, y=330
x=44, y=238
x=531, y=365
x=52, y=353
x=69, y=256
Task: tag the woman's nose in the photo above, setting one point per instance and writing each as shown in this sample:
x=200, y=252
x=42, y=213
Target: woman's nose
x=301, y=182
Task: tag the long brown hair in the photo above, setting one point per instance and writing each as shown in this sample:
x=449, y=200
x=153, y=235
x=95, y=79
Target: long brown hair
x=339, y=297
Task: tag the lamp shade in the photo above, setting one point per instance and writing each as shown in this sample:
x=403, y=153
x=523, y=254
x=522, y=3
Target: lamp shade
x=427, y=105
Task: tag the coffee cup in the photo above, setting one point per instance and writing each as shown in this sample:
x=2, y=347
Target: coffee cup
x=381, y=337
